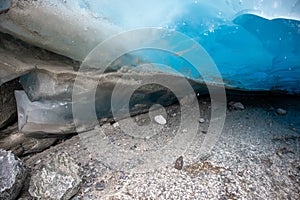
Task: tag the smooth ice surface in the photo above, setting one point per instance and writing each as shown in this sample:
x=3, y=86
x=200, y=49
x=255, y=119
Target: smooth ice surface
x=254, y=43
x=49, y=116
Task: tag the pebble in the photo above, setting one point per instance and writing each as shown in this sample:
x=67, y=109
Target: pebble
x=237, y=105
x=100, y=186
x=160, y=119
x=281, y=111
x=179, y=163
x=201, y=120
x=116, y=125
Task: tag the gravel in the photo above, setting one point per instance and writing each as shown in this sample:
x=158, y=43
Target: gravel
x=256, y=157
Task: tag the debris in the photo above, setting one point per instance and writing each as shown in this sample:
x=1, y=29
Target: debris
x=100, y=185
x=281, y=111
x=179, y=163
x=236, y=105
x=12, y=175
x=201, y=120
x=116, y=125
x=160, y=119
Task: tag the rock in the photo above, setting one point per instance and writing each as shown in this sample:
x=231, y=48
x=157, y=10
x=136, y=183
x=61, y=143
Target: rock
x=179, y=163
x=8, y=107
x=57, y=179
x=236, y=105
x=20, y=143
x=160, y=119
x=281, y=111
x=100, y=185
x=12, y=175
x=201, y=120
x=116, y=125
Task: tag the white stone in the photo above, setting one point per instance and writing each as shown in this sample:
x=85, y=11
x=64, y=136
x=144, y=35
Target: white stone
x=160, y=119
x=281, y=111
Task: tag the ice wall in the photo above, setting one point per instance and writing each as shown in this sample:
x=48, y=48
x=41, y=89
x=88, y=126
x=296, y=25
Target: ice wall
x=254, y=43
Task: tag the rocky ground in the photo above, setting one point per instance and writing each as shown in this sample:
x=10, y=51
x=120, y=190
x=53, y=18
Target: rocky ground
x=256, y=157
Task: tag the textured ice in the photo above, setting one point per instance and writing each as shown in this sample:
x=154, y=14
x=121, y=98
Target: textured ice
x=46, y=104
x=254, y=43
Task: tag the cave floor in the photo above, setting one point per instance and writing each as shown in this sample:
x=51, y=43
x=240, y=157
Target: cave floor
x=256, y=157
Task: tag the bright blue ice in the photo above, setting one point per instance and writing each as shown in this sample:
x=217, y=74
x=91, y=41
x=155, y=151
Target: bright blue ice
x=254, y=43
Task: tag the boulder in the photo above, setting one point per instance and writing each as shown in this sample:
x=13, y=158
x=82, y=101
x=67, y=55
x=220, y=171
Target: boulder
x=58, y=178
x=12, y=175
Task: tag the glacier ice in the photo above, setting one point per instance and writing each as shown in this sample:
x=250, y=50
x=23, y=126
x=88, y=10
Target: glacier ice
x=45, y=105
x=18, y=58
x=254, y=43
x=43, y=117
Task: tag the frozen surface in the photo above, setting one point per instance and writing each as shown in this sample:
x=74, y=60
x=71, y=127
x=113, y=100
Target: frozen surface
x=5, y=4
x=46, y=104
x=44, y=117
x=255, y=44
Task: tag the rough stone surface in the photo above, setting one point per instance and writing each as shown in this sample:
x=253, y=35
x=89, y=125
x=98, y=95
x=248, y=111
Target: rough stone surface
x=257, y=157
x=8, y=107
x=21, y=144
x=12, y=175
x=179, y=163
x=57, y=179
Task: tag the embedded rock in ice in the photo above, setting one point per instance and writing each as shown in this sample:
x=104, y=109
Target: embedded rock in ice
x=12, y=175
x=57, y=179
